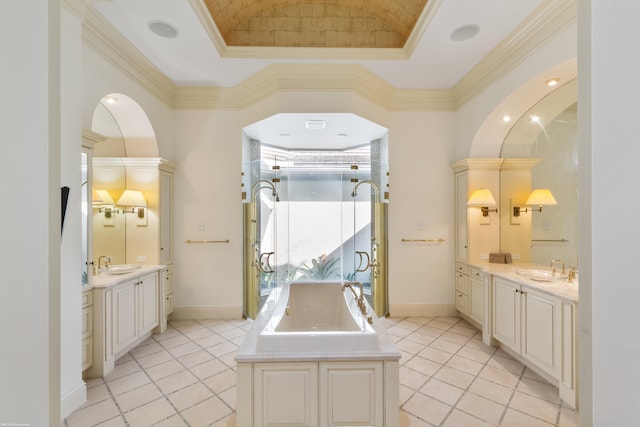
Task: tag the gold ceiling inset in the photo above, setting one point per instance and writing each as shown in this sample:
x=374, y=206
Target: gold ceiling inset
x=320, y=23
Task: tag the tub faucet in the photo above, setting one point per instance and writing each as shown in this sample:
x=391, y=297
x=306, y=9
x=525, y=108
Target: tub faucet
x=359, y=299
x=553, y=268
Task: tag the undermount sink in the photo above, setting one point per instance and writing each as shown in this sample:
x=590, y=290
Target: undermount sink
x=119, y=269
x=541, y=275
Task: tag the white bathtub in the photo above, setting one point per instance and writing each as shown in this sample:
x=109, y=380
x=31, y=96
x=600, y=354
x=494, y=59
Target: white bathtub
x=309, y=351
x=316, y=316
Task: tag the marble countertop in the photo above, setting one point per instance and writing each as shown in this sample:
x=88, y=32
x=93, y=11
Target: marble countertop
x=109, y=280
x=559, y=288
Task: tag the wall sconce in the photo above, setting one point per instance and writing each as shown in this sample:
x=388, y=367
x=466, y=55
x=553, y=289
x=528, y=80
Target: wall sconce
x=482, y=198
x=541, y=197
x=135, y=200
x=103, y=200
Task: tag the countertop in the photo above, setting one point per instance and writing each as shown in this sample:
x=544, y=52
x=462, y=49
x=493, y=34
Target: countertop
x=559, y=288
x=109, y=280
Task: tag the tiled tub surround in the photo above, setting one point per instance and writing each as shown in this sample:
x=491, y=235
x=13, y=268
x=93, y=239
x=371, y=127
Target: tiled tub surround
x=312, y=358
x=186, y=376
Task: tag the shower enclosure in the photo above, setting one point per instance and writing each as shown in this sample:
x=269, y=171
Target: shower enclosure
x=315, y=215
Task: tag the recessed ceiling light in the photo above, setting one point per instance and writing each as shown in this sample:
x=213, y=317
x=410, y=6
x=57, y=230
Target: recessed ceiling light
x=552, y=82
x=284, y=134
x=506, y=118
x=465, y=32
x=315, y=124
x=163, y=29
x=342, y=135
x=535, y=119
x=111, y=99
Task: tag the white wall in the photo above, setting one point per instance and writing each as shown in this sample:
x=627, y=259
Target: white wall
x=30, y=213
x=608, y=134
x=73, y=391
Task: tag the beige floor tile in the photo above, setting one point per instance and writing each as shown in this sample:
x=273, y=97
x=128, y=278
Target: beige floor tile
x=398, y=331
x=514, y=418
x=427, y=408
x=207, y=412
x=208, y=369
x=154, y=359
x=506, y=363
x=176, y=382
x=456, y=338
x=412, y=379
x=220, y=326
x=454, y=377
x=481, y=408
x=410, y=324
x=184, y=349
x=569, y=417
x=431, y=331
x=408, y=346
x=93, y=382
x=229, y=359
x=97, y=394
x=420, y=338
x=439, y=324
x=228, y=421
x=229, y=397
x=542, y=390
x=174, y=341
x=408, y=420
x=189, y=396
x=535, y=407
x=180, y=323
x=499, y=376
x=458, y=418
x=174, y=421
x=222, y=349
x=404, y=393
x=424, y=366
x=238, y=340
x=442, y=391
x=496, y=392
x=465, y=365
x=436, y=355
x=137, y=397
x=461, y=329
x=190, y=327
x=145, y=350
x=124, y=384
x=221, y=381
x=164, y=369
x=195, y=358
x=444, y=345
x=210, y=340
x=199, y=333
x=170, y=332
x=122, y=370
x=127, y=357
x=149, y=414
x=232, y=333
x=93, y=414
x=474, y=354
x=113, y=422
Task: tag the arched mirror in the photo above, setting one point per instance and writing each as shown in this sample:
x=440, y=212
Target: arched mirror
x=548, y=132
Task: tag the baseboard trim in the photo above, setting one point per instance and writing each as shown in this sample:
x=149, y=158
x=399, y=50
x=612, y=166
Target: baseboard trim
x=201, y=313
x=422, y=310
x=73, y=400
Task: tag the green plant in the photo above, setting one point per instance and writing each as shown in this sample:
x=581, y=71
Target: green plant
x=321, y=268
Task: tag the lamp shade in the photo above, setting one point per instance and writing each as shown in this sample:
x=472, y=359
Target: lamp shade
x=541, y=197
x=132, y=198
x=104, y=198
x=481, y=197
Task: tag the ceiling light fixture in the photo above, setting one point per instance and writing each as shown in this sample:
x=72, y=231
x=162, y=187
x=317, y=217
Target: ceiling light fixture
x=552, y=82
x=163, y=29
x=110, y=99
x=506, y=118
x=315, y=124
x=535, y=119
x=465, y=32
x=342, y=135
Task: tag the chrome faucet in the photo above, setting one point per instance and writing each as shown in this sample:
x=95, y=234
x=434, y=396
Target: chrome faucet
x=106, y=258
x=553, y=268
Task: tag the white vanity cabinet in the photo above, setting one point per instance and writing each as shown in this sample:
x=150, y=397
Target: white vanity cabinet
x=540, y=329
x=126, y=311
x=87, y=329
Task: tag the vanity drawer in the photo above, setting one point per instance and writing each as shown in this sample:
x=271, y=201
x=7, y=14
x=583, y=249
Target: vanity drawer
x=475, y=272
x=462, y=283
x=462, y=268
x=462, y=302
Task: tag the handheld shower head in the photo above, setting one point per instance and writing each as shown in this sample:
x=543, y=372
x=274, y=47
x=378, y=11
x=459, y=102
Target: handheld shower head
x=354, y=193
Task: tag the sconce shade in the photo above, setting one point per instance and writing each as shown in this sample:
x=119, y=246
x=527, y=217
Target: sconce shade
x=95, y=198
x=541, y=197
x=132, y=198
x=104, y=198
x=481, y=197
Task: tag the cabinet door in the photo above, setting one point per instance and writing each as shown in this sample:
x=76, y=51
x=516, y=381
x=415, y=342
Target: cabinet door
x=166, y=218
x=462, y=233
x=148, y=303
x=541, y=330
x=476, y=299
x=125, y=325
x=285, y=394
x=462, y=302
x=351, y=394
x=506, y=313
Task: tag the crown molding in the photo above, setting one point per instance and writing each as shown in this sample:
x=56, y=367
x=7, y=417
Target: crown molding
x=114, y=47
x=421, y=25
x=278, y=78
x=552, y=17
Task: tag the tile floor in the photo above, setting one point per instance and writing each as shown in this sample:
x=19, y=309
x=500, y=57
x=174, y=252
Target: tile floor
x=448, y=377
